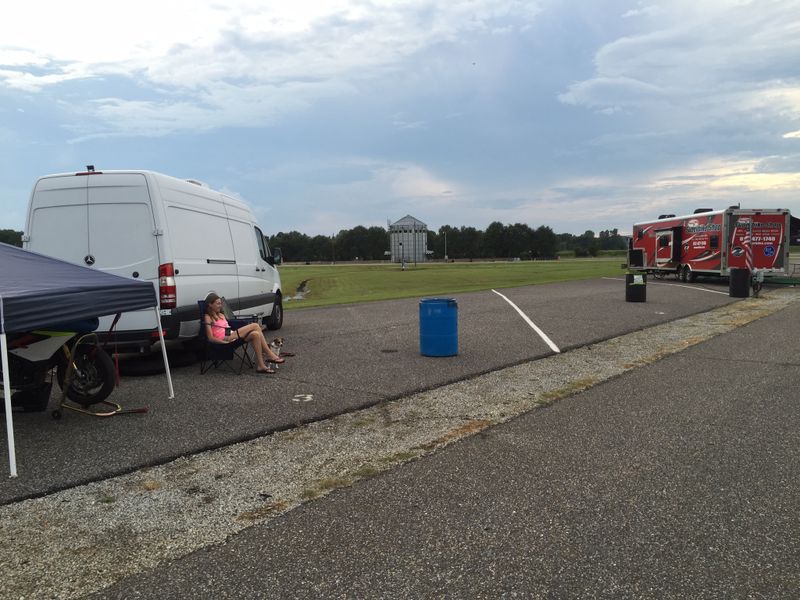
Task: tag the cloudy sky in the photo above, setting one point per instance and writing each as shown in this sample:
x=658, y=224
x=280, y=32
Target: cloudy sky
x=324, y=115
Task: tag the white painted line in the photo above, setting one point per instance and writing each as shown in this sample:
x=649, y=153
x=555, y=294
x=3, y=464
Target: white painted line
x=688, y=287
x=541, y=333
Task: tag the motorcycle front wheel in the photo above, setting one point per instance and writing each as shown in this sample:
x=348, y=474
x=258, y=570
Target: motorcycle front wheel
x=93, y=377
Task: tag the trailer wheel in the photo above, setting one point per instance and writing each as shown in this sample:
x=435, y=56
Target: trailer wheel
x=685, y=274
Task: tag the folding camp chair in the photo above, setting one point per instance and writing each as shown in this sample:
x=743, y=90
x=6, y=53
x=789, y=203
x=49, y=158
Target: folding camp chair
x=231, y=316
x=233, y=355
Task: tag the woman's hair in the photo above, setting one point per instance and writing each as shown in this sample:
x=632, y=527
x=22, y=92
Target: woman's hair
x=210, y=299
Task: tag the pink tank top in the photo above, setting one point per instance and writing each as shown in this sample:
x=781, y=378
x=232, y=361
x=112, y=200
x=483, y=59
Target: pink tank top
x=218, y=328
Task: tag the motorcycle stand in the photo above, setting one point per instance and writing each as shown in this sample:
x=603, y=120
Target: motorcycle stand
x=86, y=409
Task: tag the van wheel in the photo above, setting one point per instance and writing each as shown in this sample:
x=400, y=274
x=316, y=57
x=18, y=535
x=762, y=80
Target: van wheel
x=275, y=320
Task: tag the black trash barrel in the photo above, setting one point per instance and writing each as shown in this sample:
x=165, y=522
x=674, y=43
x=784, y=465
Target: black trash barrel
x=739, y=283
x=636, y=287
x=438, y=327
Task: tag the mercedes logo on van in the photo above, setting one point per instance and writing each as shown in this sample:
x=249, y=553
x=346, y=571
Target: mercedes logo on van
x=88, y=259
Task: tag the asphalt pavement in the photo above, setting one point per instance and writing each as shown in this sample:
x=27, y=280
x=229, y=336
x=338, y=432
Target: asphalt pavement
x=674, y=480
x=347, y=357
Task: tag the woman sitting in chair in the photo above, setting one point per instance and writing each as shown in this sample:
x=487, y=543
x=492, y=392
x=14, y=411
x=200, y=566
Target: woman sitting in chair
x=217, y=329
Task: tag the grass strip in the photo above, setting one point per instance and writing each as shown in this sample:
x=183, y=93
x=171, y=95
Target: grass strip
x=327, y=285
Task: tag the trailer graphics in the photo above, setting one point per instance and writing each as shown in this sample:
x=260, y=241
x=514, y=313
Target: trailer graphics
x=712, y=242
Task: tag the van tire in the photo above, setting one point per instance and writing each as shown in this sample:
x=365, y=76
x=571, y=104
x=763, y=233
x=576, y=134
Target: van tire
x=275, y=320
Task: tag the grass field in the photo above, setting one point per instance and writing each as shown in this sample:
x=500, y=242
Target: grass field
x=349, y=283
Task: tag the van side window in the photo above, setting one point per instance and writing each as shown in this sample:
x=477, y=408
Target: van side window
x=663, y=241
x=262, y=247
x=714, y=241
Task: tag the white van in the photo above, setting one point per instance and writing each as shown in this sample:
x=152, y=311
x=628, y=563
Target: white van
x=185, y=237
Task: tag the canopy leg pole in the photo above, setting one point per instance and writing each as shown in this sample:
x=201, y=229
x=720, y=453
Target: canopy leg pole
x=12, y=454
x=164, y=352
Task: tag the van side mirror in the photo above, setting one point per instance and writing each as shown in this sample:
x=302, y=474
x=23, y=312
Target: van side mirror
x=277, y=256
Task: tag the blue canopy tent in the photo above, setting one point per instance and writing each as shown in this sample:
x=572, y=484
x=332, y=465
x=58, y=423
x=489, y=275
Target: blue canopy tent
x=38, y=290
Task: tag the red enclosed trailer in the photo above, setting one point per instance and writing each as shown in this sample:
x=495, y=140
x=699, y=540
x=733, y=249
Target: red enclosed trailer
x=711, y=242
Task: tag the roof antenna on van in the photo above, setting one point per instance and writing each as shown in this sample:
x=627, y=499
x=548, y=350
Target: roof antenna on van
x=90, y=168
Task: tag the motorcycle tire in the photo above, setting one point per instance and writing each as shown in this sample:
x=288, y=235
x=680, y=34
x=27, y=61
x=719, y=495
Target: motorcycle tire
x=94, y=376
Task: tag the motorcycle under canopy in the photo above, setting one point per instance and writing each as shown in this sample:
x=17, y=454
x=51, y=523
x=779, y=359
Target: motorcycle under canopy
x=84, y=371
x=37, y=290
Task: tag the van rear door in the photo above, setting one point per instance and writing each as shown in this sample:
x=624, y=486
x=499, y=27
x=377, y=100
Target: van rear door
x=58, y=218
x=100, y=220
x=121, y=225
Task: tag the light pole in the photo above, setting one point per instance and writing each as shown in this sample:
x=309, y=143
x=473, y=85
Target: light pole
x=402, y=258
x=445, y=246
x=415, y=245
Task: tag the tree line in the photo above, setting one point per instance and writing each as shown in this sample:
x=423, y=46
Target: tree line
x=12, y=237
x=497, y=241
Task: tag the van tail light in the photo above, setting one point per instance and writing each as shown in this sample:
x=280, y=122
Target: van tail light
x=166, y=286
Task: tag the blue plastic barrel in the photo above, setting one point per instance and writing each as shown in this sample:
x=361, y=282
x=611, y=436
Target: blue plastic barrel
x=438, y=327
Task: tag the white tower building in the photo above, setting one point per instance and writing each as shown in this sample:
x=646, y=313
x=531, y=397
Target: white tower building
x=408, y=240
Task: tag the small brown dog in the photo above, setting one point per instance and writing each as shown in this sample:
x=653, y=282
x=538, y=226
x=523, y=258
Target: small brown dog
x=276, y=346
